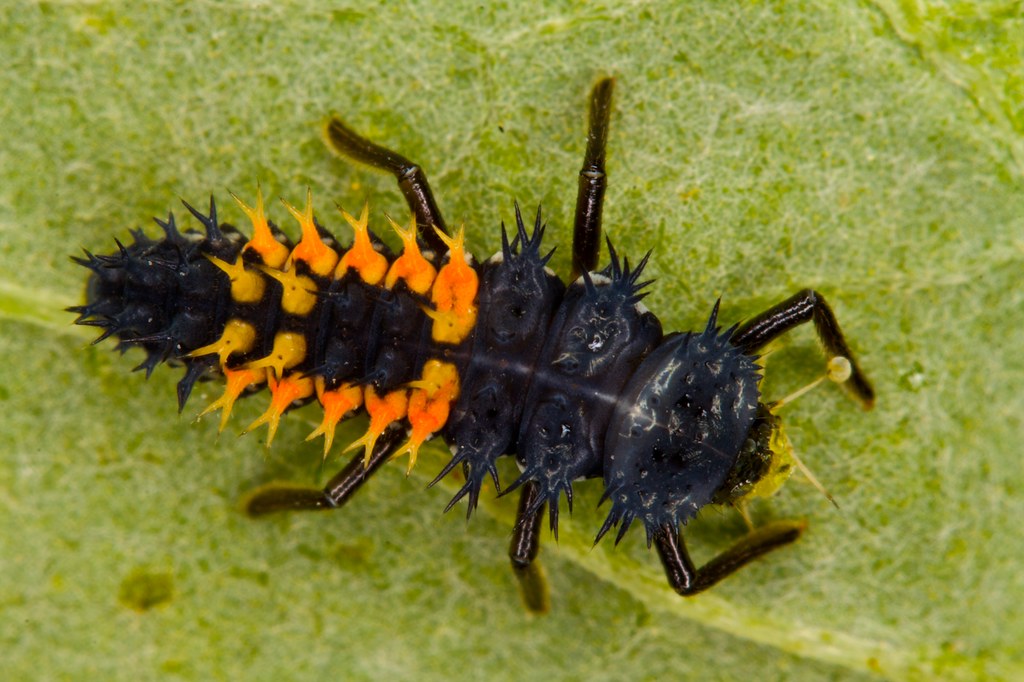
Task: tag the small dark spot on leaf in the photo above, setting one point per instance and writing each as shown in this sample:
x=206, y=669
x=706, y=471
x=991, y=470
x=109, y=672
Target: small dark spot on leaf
x=143, y=588
x=354, y=554
x=261, y=578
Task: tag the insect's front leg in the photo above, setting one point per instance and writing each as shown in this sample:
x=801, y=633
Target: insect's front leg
x=686, y=579
x=805, y=306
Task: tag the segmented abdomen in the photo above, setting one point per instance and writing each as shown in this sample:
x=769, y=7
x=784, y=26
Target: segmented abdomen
x=354, y=328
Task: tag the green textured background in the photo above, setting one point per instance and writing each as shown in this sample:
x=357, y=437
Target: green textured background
x=873, y=150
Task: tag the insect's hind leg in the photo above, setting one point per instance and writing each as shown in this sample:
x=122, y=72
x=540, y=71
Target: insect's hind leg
x=586, y=235
x=411, y=178
x=523, y=549
x=805, y=306
x=686, y=579
x=269, y=499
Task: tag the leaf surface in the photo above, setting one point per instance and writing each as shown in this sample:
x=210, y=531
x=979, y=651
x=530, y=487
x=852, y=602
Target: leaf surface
x=872, y=151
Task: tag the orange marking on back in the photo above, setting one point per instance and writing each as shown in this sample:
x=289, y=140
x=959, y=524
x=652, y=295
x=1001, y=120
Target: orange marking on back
x=283, y=393
x=336, y=404
x=272, y=252
x=362, y=257
x=311, y=249
x=411, y=266
x=429, y=406
x=383, y=411
x=454, y=293
x=236, y=381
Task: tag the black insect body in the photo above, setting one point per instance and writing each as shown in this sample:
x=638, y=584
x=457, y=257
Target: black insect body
x=595, y=342
x=677, y=430
x=499, y=358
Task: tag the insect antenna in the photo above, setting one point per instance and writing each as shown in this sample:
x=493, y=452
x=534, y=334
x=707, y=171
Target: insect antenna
x=838, y=370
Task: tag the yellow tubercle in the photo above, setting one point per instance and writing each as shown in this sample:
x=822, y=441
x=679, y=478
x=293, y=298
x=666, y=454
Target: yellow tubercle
x=289, y=350
x=272, y=252
x=371, y=265
x=238, y=337
x=311, y=249
x=383, y=411
x=283, y=393
x=246, y=286
x=454, y=294
x=411, y=266
x=298, y=296
x=336, y=404
x=236, y=381
x=429, y=406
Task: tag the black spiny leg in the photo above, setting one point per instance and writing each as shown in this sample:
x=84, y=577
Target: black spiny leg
x=686, y=579
x=586, y=235
x=274, y=498
x=805, y=306
x=523, y=550
x=411, y=178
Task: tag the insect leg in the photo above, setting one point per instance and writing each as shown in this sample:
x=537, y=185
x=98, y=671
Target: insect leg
x=411, y=178
x=523, y=551
x=686, y=579
x=805, y=306
x=275, y=498
x=586, y=235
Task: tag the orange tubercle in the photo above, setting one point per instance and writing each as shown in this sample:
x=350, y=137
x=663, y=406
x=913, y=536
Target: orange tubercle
x=236, y=381
x=336, y=404
x=283, y=393
x=454, y=294
x=311, y=249
x=371, y=265
x=429, y=405
x=383, y=411
x=411, y=266
x=272, y=252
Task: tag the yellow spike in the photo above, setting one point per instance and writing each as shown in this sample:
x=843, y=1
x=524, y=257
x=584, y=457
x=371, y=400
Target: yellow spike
x=411, y=266
x=412, y=449
x=289, y=350
x=283, y=394
x=311, y=249
x=455, y=243
x=236, y=381
x=246, y=285
x=362, y=257
x=336, y=404
x=238, y=337
x=297, y=297
x=383, y=411
x=272, y=252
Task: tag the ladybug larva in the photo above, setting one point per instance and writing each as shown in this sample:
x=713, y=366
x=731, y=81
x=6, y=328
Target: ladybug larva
x=498, y=357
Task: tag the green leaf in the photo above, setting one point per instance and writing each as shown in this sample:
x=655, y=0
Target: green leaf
x=873, y=152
